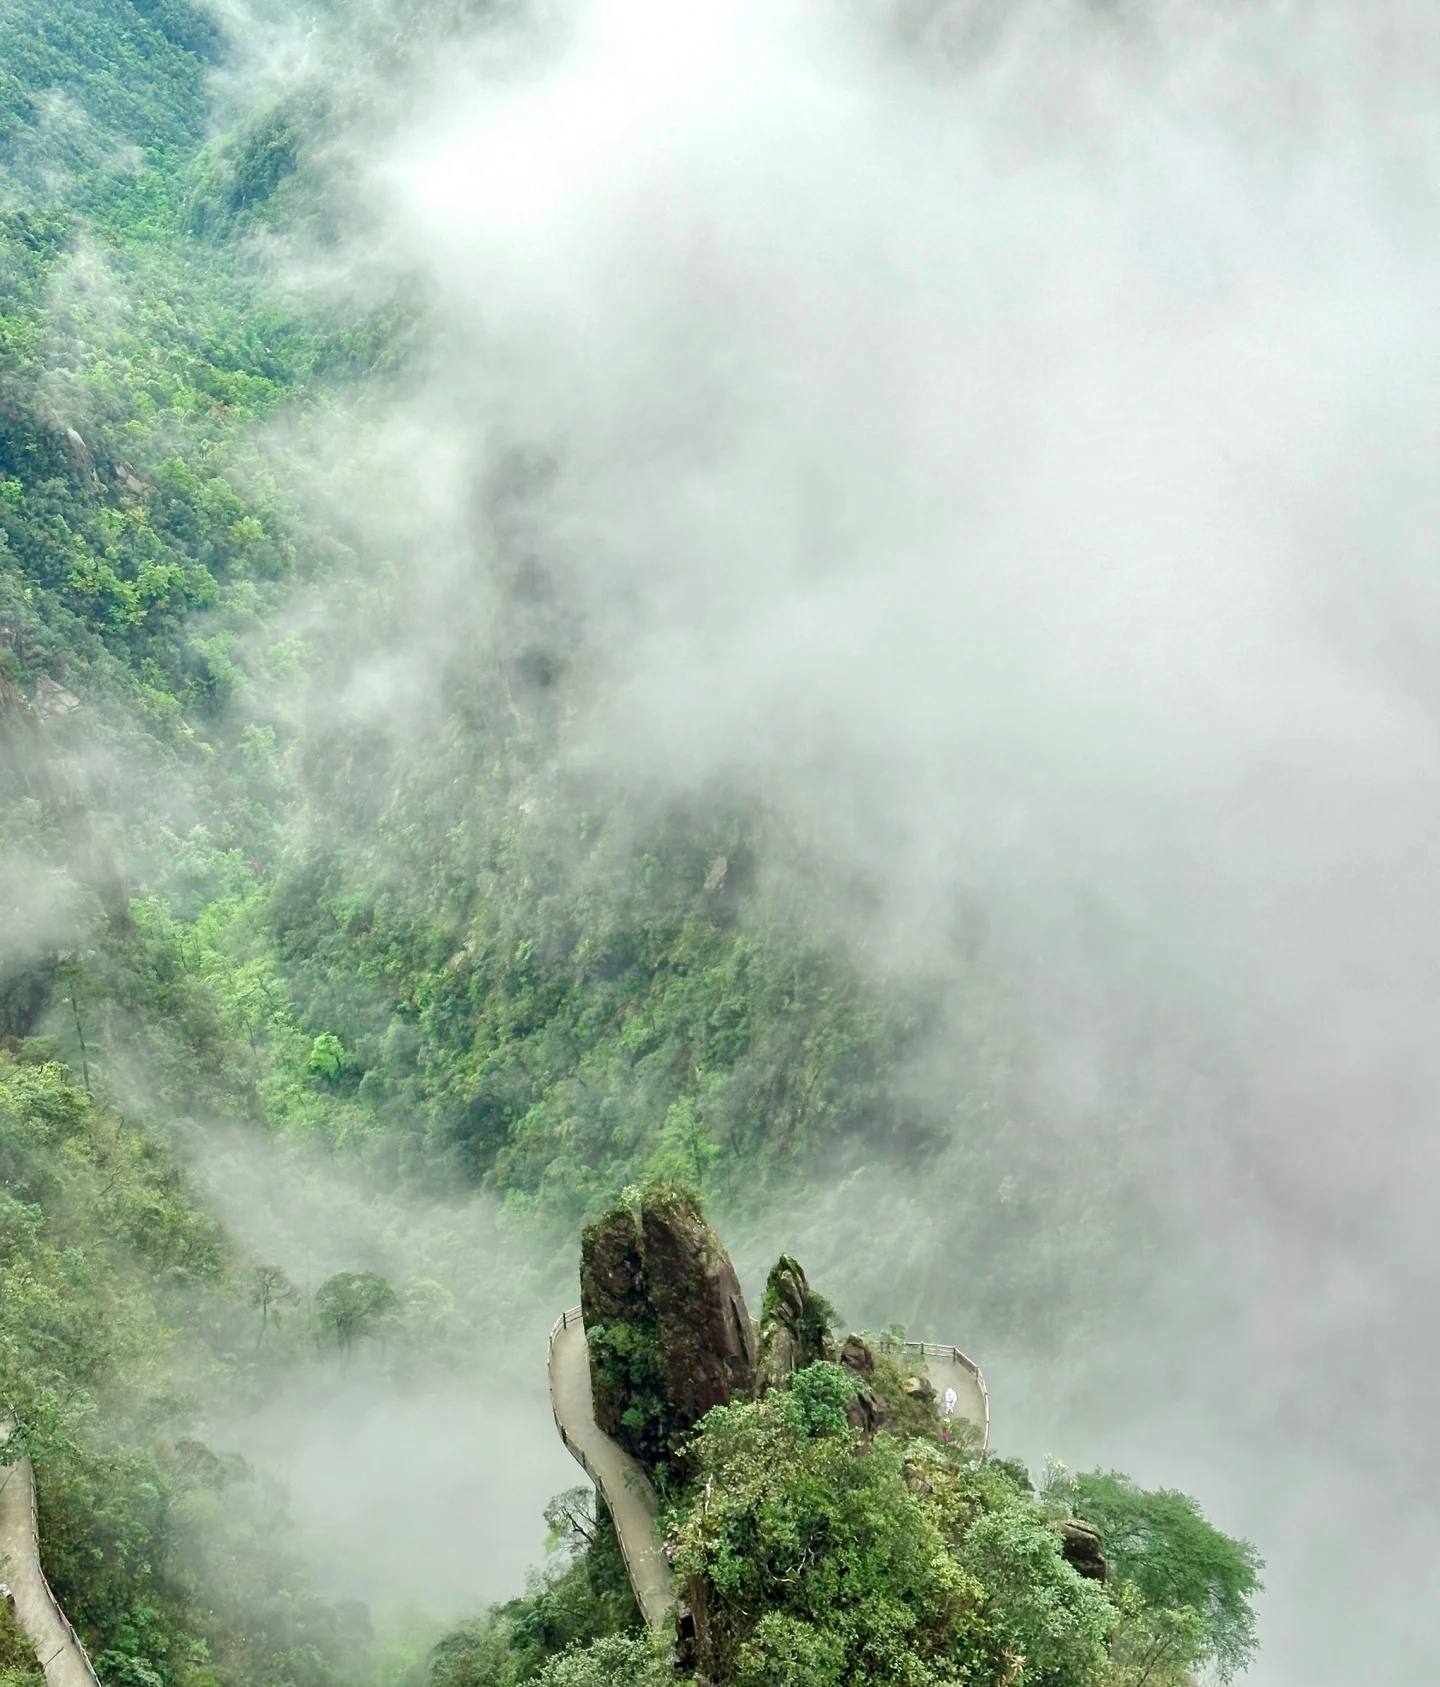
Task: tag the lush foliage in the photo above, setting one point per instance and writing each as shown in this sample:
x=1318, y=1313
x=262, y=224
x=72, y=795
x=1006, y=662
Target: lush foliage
x=833, y=1530
x=582, y=1599
x=430, y=948
x=1196, y=1583
x=828, y=1561
x=421, y=942
x=353, y=1303
x=811, y=1555
x=18, y=1667
x=525, y=990
x=169, y=1558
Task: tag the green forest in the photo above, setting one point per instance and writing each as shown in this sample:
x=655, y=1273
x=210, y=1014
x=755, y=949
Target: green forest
x=447, y=959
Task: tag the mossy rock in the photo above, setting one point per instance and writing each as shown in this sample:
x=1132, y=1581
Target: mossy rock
x=794, y=1325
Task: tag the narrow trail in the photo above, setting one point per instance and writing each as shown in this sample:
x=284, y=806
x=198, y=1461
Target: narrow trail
x=57, y=1647
x=625, y=1487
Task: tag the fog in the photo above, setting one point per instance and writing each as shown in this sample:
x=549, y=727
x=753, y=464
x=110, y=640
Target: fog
x=416, y=1471
x=999, y=442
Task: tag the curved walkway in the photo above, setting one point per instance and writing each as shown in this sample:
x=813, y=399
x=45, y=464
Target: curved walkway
x=949, y=1370
x=625, y=1487
x=57, y=1647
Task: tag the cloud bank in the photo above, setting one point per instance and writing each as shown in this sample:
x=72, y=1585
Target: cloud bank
x=1000, y=442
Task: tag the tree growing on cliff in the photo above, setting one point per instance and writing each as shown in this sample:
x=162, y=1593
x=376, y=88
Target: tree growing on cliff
x=1193, y=1584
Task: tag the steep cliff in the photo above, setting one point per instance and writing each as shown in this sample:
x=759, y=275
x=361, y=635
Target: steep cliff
x=669, y=1333
x=705, y=1329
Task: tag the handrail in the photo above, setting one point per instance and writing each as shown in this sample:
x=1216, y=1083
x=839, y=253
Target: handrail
x=25, y=1465
x=562, y=1323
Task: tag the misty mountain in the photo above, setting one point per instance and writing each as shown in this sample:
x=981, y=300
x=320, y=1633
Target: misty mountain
x=830, y=603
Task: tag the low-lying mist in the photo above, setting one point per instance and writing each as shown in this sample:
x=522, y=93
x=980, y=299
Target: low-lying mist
x=416, y=1464
x=1001, y=449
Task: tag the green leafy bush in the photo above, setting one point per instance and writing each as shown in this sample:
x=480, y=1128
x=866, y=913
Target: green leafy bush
x=827, y=1559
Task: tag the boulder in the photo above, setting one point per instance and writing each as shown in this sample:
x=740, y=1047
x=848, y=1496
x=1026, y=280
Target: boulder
x=668, y=1333
x=856, y=1356
x=1081, y=1546
x=867, y=1411
x=703, y=1325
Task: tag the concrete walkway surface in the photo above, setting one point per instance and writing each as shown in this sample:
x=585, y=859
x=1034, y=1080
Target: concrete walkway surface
x=57, y=1647
x=947, y=1368
x=624, y=1485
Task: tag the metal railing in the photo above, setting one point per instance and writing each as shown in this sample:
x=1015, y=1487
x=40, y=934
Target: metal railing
x=953, y=1356
x=565, y=1321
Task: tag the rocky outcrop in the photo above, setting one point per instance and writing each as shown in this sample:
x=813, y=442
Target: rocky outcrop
x=1081, y=1545
x=867, y=1410
x=668, y=1331
x=856, y=1357
x=53, y=700
x=919, y=1388
x=612, y=1269
x=794, y=1325
x=704, y=1326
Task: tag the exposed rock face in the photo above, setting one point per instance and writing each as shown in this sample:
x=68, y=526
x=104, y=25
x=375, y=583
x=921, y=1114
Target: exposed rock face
x=867, y=1412
x=52, y=699
x=794, y=1325
x=1082, y=1546
x=704, y=1326
x=668, y=1331
x=612, y=1268
x=856, y=1356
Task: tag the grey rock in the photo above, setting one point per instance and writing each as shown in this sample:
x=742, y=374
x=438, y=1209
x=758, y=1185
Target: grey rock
x=53, y=700
x=704, y=1325
x=856, y=1356
x=867, y=1412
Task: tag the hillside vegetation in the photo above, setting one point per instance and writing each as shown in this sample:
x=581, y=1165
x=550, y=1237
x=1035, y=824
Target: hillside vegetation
x=426, y=941
x=124, y=1322
x=827, y=1524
